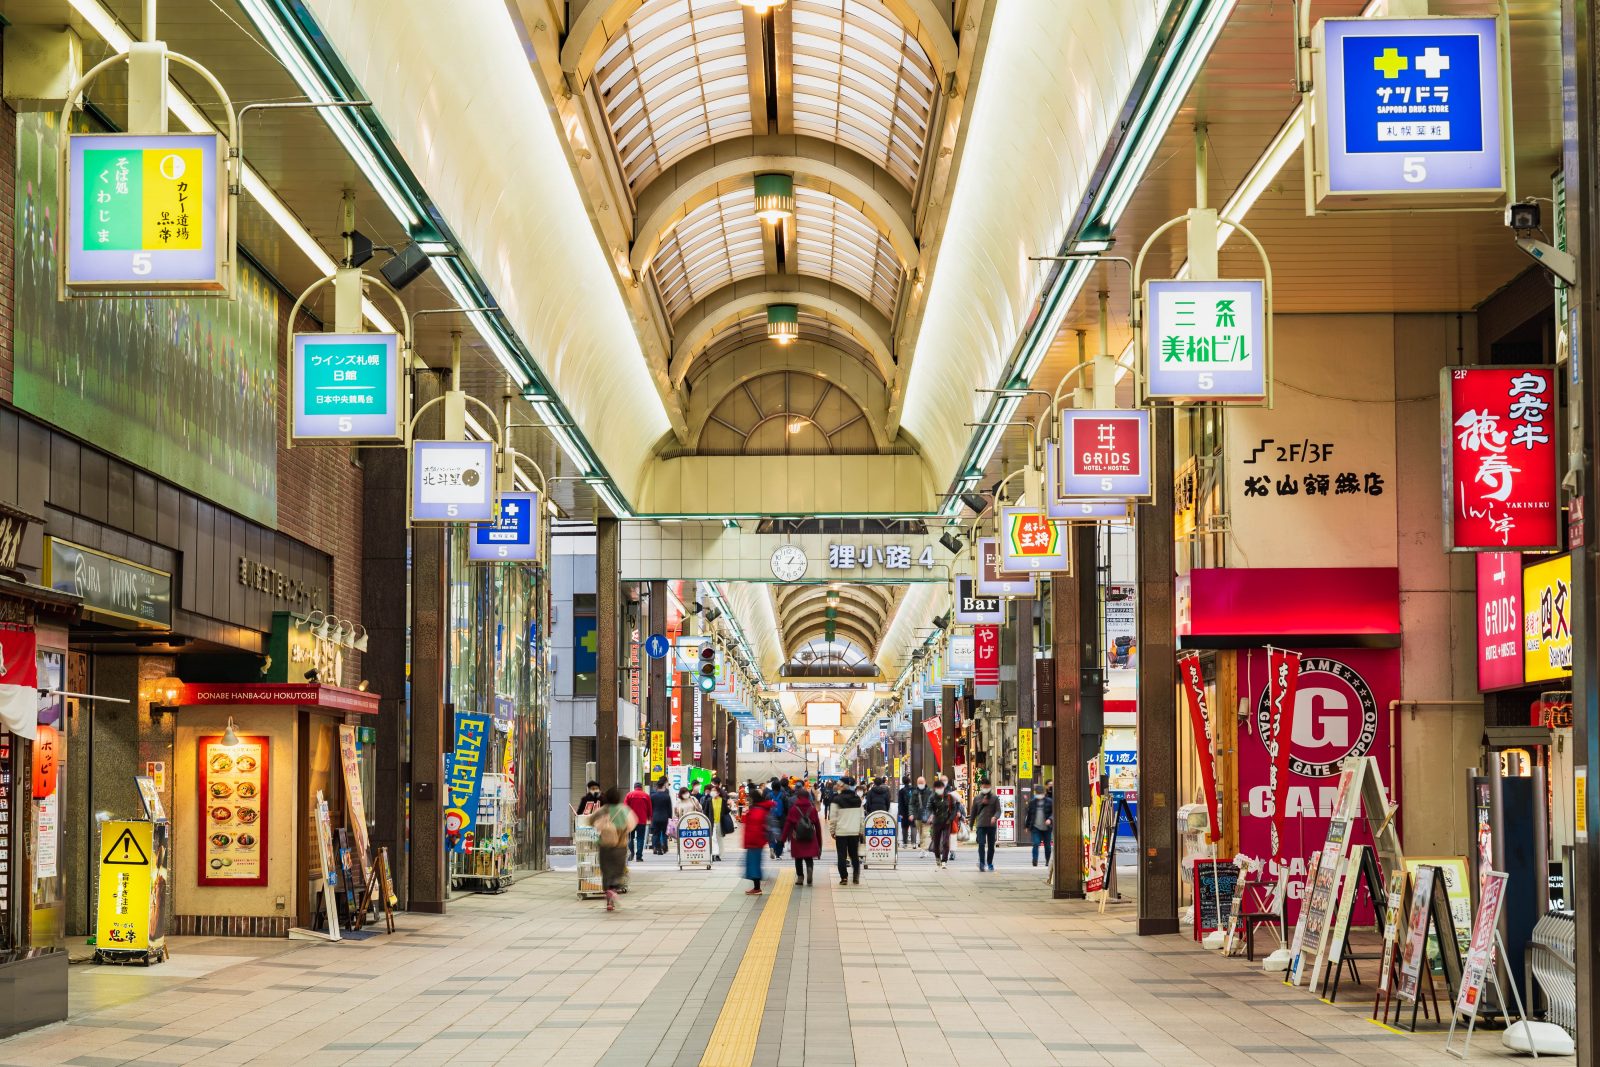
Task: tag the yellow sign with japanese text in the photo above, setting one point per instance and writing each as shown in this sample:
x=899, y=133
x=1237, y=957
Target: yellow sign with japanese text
x=128, y=888
x=1025, y=752
x=1547, y=620
x=658, y=753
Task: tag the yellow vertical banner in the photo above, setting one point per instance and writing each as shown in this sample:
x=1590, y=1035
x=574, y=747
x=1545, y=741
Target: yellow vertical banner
x=1025, y=752
x=127, y=882
x=175, y=181
x=658, y=753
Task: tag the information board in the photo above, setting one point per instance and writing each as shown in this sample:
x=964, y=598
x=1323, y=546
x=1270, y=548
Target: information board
x=880, y=836
x=129, y=888
x=234, y=787
x=347, y=387
x=1214, y=887
x=694, y=841
x=1205, y=340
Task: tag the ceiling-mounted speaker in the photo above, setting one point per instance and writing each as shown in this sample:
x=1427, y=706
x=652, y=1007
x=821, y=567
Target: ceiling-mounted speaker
x=404, y=267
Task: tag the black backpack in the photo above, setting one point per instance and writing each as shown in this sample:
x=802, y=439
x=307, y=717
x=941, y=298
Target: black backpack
x=804, y=828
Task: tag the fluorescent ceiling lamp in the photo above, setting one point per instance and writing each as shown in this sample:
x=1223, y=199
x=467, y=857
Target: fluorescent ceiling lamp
x=552, y=419
x=613, y=501
x=1091, y=246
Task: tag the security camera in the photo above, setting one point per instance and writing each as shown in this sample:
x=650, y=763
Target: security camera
x=1552, y=259
x=1524, y=216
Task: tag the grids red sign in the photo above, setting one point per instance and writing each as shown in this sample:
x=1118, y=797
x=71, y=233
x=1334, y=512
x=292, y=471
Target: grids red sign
x=985, y=655
x=1499, y=620
x=1107, y=445
x=1500, y=447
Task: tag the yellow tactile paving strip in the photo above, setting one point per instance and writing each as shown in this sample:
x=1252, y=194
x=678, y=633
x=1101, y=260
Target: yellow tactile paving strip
x=733, y=1042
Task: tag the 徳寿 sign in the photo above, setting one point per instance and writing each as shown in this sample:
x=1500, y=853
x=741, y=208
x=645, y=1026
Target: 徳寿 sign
x=1501, y=464
x=145, y=211
x=1205, y=340
x=1031, y=541
x=514, y=536
x=1409, y=110
x=1104, y=453
x=452, y=481
x=347, y=386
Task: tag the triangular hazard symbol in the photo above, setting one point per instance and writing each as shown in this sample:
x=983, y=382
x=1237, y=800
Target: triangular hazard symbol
x=125, y=851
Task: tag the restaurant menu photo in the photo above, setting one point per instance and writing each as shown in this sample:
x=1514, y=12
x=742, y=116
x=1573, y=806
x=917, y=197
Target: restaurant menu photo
x=233, y=804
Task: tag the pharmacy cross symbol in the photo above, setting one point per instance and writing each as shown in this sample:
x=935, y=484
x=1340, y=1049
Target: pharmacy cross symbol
x=1391, y=63
x=590, y=641
x=1433, y=63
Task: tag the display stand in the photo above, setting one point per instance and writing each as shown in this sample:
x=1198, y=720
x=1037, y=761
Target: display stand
x=486, y=866
x=586, y=843
x=1362, y=874
x=330, y=899
x=1483, y=965
x=1430, y=911
x=1389, y=962
x=379, y=890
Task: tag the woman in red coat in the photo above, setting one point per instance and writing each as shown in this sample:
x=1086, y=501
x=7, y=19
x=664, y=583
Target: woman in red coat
x=803, y=830
x=755, y=841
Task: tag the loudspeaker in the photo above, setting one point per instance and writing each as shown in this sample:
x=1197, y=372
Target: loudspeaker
x=404, y=267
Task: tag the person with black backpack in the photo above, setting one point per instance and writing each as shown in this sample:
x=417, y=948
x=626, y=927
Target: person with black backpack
x=803, y=830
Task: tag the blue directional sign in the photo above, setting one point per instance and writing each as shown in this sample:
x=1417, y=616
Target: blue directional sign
x=514, y=537
x=656, y=646
x=1409, y=108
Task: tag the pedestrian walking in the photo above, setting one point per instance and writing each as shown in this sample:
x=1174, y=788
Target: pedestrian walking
x=660, y=816
x=877, y=798
x=614, y=821
x=985, y=819
x=780, y=810
x=902, y=800
x=638, y=802
x=755, y=840
x=943, y=813
x=1040, y=820
x=722, y=822
x=803, y=831
x=845, y=823
x=922, y=811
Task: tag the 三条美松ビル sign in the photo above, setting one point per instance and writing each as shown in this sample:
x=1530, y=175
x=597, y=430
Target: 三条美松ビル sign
x=1502, y=473
x=145, y=211
x=1409, y=110
x=347, y=387
x=452, y=481
x=1205, y=340
x=1031, y=541
x=513, y=537
x=1105, y=454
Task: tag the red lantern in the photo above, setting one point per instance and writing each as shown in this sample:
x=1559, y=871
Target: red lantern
x=46, y=761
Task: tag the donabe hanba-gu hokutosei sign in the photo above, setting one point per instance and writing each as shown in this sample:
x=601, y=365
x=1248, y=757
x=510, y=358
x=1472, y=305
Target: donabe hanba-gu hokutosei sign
x=1501, y=472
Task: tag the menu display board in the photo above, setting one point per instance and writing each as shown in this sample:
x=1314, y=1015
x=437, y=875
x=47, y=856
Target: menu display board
x=1214, y=887
x=233, y=799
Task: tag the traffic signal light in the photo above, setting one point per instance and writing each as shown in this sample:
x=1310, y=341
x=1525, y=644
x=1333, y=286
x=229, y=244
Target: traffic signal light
x=707, y=678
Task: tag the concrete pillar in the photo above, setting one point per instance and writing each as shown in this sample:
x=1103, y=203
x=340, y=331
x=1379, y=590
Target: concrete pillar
x=432, y=723
x=1158, y=717
x=608, y=621
x=1027, y=713
x=1066, y=593
x=712, y=717
x=919, y=740
x=947, y=735
x=657, y=695
x=730, y=765
x=385, y=549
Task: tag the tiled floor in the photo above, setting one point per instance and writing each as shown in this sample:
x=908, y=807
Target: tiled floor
x=912, y=966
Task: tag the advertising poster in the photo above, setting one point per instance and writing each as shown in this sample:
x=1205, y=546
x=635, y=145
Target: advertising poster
x=1122, y=627
x=1414, y=950
x=349, y=760
x=879, y=835
x=463, y=773
x=1480, y=953
x=1341, y=710
x=1547, y=620
x=233, y=785
x=1006, y=823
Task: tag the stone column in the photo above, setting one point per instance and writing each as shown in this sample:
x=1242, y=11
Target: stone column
x=431, y=714
x=1158, y=717
x=608, y=622
x=1066, y=591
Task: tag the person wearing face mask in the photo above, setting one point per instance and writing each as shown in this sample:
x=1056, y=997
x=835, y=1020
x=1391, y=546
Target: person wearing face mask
x=942, y=813
x=590, y=801
x=985, y=817
x=920, y=799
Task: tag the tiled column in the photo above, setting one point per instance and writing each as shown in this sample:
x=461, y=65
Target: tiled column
x=1158, y=722
x=657, y=696
x=608, y=621
x=1066, y=713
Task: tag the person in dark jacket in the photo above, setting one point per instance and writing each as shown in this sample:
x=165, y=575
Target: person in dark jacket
x=660, y=815
x=902, y=800
x=943, y=810
x=803, y=830
x=845, y=823
x=638, y=802
x=985, y=818
x=778, y=811
x=877, y=798
x=921, y=800
x=1040, y=819
x=755, y=839
x=589, y=802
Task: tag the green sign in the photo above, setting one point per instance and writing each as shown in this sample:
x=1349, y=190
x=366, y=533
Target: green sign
x=347, y=386
x=295, y=649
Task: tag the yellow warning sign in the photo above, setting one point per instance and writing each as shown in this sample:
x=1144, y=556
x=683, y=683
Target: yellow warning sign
x=127, y=888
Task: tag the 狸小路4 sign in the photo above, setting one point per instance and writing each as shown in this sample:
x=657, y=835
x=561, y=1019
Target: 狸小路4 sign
x=145, y=212
x=1105, y=454
x=1206, y=340
x=347, y=387
x=1409, y=112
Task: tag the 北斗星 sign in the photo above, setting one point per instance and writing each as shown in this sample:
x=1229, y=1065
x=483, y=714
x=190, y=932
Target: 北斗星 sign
x=1105, y=453
x=1502, y=471
x=1205, y=340
x=145, y=211
x=452, y=481
x=973, y=607
x=1030, y=541
x=1409, y=109
x=512, y=537
x=347, y=387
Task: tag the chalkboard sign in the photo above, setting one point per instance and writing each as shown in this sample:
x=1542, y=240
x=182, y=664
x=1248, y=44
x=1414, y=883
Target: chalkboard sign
x=1214, y=887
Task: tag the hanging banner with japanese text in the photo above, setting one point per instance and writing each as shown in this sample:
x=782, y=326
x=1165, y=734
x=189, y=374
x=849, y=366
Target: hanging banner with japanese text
x=1205, y=340
x=1031, y=542
x=1193, y=681
x=934, y=730
x=1501, y=467
x=463, y=775
x=1283, y=684
x=986, y=662
x=1104, y=454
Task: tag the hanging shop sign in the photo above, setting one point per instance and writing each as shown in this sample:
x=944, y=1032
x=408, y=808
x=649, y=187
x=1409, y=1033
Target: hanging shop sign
x=960, y=655
x=1500, y=620
x=881, y=836
x=129, y=892
x=1408, y=112
x=46, y=761
x=1205, y=340
x=1030, y=541
x=348, y=387
x=1283, y=687
x=112, y=588
x=452, y=481
x=986, y=662
x=463, y=776
x=145, y=211
x=1076, y=510
x=19, y=683
x=1105, y=453
x=355, y=802
x=513, y=537
x=1547, y=620
x=973, y=607
x=995, y=580
x=233, y=794
x=1193, y=681
x=1501, y=468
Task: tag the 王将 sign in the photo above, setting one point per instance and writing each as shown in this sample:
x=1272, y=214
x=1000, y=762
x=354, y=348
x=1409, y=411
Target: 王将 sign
x=145, y=211
x=1501, y=468
x=1031, y=541
x=514, y=536
x=1104, y=453
x=347, y=386
x=1205, y=340
x=1499, y=620
x=1408, y=111
x=1547, y=620
x=972, y=608
x=452, y=481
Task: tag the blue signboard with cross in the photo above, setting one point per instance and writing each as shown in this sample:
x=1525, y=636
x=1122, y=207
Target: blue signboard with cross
x=513, y=537
x=1409, y=109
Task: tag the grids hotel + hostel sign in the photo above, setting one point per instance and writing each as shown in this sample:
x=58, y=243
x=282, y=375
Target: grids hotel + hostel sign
x=1031, y=541
x=514, y=536
x=452, y=481
x=145, y=211
x=1105, y=453
x=1205, y=340
x=973, y=608
x=1547, y=620
x=1501, y=475
x=347, y=386
x=1500, y=620
x=1409, y=110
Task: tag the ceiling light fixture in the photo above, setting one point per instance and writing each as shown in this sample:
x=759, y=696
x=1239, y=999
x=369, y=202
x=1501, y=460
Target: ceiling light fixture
x=761, y=7
x=774, y=197
x=783, y=323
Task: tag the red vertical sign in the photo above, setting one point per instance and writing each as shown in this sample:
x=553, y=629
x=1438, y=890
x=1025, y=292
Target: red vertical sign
x=986, y=655
x=1502, y=471
x=1194, y=690
x=1500, y=620
x=1283, y=685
